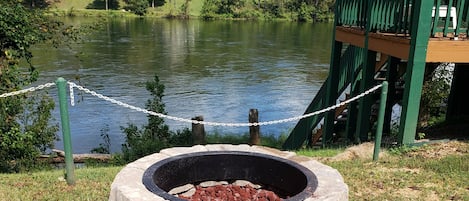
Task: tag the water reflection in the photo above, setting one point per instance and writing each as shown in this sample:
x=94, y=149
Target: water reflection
x=216, y=69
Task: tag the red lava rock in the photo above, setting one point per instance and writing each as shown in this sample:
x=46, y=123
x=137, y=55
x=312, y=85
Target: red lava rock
x=231, y=193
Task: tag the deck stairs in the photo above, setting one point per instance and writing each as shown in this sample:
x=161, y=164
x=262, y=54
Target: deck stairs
x=308, y=132
x=341, y=112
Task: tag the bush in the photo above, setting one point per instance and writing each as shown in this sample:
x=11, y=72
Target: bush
x=435, y=90
x=154, y=136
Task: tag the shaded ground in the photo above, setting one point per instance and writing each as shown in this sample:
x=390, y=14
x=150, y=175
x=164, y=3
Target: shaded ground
x=458, y=130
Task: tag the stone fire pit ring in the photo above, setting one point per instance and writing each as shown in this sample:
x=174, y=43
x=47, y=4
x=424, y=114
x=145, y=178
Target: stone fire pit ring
x=286, y=178
x=290, y=175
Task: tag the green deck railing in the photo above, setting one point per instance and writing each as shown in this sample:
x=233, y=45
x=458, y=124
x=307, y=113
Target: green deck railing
x=395, y=16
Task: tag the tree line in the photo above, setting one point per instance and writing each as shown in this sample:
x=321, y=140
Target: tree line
x=294, y=10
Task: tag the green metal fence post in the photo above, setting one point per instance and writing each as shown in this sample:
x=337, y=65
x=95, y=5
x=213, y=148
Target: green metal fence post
x=69, y=166
x=379, y=126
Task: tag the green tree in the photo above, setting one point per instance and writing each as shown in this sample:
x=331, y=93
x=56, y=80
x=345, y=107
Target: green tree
x=299, y=10
x=185, y=9
x=155, y=3
x=39, y=3
x=139, y=7
x=24, y=119
x=104, y=4
x=225, y=8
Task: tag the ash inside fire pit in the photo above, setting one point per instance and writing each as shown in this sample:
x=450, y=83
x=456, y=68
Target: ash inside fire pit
x=285, y=178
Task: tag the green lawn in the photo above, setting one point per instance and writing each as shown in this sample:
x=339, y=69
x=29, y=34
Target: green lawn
x=91, y=184
x=173, y=6
x=76, y=4
x=407, y=178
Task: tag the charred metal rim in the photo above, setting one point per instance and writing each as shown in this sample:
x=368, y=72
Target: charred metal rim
x=286, y=178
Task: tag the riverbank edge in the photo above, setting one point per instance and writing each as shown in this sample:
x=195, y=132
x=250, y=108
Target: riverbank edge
x=151, y=14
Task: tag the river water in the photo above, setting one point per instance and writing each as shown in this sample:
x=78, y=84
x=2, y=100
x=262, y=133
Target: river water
x=217, y=69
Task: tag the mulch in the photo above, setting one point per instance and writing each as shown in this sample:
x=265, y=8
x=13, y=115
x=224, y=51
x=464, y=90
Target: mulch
x=231, y=192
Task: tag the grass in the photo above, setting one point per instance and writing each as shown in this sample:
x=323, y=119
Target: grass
x=79, y=8
x=328, y=152
x=426, y=173
x=77, y=4
x=91, y=184
x=398, y=178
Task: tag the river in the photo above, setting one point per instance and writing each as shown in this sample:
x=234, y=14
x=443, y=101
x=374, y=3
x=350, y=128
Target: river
x=217, y=69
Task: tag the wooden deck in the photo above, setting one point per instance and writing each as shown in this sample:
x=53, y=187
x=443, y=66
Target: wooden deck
x=439, y=49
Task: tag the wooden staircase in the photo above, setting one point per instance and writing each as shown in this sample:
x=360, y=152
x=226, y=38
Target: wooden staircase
x=341, y=112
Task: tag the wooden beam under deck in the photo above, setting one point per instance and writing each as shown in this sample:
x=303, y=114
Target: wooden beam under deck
x=387, y=44
x=448, y=51
x=439, y=50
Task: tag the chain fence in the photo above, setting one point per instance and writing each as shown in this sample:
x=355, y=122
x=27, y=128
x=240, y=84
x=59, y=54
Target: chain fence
x=31, y=89
x=209, y=123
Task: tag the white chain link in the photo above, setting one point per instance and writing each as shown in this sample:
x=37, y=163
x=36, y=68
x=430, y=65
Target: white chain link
x=218, y=123
x=72, y=96
x=31, y=89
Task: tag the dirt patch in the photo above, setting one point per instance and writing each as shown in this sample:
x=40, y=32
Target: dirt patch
x=361, y=151
x=406, y=170
x=441, y=149
x=431, y=150
x=414, y=193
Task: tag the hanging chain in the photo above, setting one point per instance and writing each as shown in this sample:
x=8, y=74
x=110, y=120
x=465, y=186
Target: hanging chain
x=93, y=93
x=31, y=89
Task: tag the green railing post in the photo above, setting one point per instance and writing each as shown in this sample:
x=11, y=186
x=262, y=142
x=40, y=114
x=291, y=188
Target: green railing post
x=69, y=166
x=379, y=126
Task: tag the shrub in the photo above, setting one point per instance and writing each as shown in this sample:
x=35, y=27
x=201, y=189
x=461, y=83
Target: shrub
x=155, y=135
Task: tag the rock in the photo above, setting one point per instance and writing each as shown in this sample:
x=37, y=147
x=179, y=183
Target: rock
x=181, y=189
x=212, y=183
x=246, y=183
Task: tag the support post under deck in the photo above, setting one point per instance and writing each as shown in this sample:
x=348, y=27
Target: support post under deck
x=415, y=70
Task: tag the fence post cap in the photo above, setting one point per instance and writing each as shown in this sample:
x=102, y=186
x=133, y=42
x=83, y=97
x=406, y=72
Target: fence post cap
x=60, y=79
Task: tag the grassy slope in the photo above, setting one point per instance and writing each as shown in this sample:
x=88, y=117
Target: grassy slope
x=423, y=174
x=75, y=4
x=194, y=6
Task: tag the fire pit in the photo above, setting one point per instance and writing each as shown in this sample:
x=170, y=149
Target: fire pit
x=286, y=178
x=289, y=176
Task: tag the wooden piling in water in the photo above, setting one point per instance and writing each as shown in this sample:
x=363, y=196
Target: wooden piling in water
x=254, y=134
x=198, y=131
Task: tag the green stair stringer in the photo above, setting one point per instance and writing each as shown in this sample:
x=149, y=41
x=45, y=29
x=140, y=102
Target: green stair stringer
x=351, y=62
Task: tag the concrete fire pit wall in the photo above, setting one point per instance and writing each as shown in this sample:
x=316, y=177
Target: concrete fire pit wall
x=128, y=185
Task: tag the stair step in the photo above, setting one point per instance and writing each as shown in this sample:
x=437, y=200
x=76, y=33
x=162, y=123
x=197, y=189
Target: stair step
x=380, y=79
x=342, y=119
